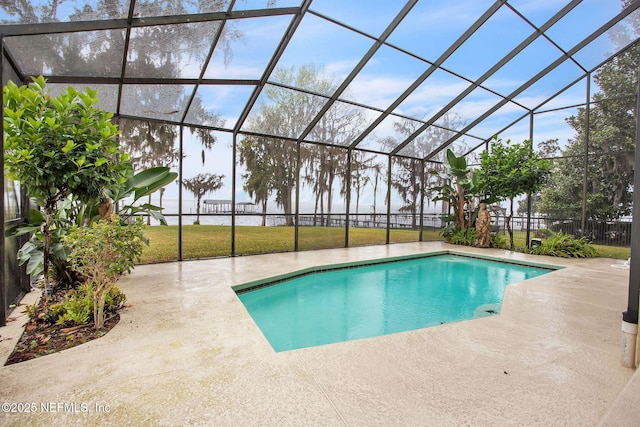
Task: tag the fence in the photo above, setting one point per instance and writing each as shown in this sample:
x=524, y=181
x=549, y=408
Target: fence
x=396, y=220
x=611, y=233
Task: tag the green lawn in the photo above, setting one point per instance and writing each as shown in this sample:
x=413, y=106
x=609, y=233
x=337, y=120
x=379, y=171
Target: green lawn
x=616, y=252
x=205, y=241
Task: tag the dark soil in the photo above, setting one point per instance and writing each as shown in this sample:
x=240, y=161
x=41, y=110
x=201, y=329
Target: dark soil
x=42, y=337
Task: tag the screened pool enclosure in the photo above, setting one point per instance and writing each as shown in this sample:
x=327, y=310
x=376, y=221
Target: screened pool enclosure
x=337, y=115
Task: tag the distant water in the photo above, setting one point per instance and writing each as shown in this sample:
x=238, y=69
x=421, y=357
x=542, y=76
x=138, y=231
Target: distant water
x=275, y=217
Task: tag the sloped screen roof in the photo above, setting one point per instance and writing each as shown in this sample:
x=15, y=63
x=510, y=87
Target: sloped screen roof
x=454, y=72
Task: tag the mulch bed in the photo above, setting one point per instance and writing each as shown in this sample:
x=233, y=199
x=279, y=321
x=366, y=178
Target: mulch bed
x=41, y=337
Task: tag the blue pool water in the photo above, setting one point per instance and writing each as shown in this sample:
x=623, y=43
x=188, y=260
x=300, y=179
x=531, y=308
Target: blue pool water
x=366, y=301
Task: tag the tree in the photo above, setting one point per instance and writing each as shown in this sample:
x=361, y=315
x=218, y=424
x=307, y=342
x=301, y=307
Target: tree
x=377, y=173
x=323, y=165
x=407, y=173
x=459, y=186
x=549, y=150
x=611, y=143
x=154, y=52
x=283, y=112
x=360, y=165
x=58, y=147
x=610, y=162
x=508, y=171
x=202, y=184
x=153, y=143
x=407, y=180
x=287, y=112
x=271, y=169
x=258, y=179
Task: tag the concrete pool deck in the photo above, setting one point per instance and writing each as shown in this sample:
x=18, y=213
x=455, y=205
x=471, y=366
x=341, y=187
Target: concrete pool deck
x=186, y=352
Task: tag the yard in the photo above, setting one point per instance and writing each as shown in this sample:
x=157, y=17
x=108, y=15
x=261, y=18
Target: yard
x=206, y=241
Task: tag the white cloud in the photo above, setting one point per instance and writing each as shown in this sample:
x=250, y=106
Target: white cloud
x=430, y=98
x=378, y=91
x=340, y=69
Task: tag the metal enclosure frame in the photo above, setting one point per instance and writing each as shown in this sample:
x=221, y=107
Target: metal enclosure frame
x=298, y=13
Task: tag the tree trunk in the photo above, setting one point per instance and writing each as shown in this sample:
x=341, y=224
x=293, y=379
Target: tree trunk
x=315, y=209
x=330, y=198
x=49, y=209
x=264, y=213
x=375, y=196
x=198, y=210
x=105, y=209
x=99, y=298
x=460, y=201
x=508, y=225
x=414, y=217
x=46, y=247
x=286, y=205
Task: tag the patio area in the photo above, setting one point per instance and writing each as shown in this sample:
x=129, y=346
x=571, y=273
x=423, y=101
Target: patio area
x=186, y=352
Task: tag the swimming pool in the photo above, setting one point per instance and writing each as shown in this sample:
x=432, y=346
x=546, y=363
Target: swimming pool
x=349, y=302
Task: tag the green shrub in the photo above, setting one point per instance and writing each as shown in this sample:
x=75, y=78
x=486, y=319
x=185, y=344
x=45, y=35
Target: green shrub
x=468, y=237
x=460, y=236
x=565, y=246
x=114, y=300
x=77, y=306
x=499, y=242
x=103, y=251
x=75, y=309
